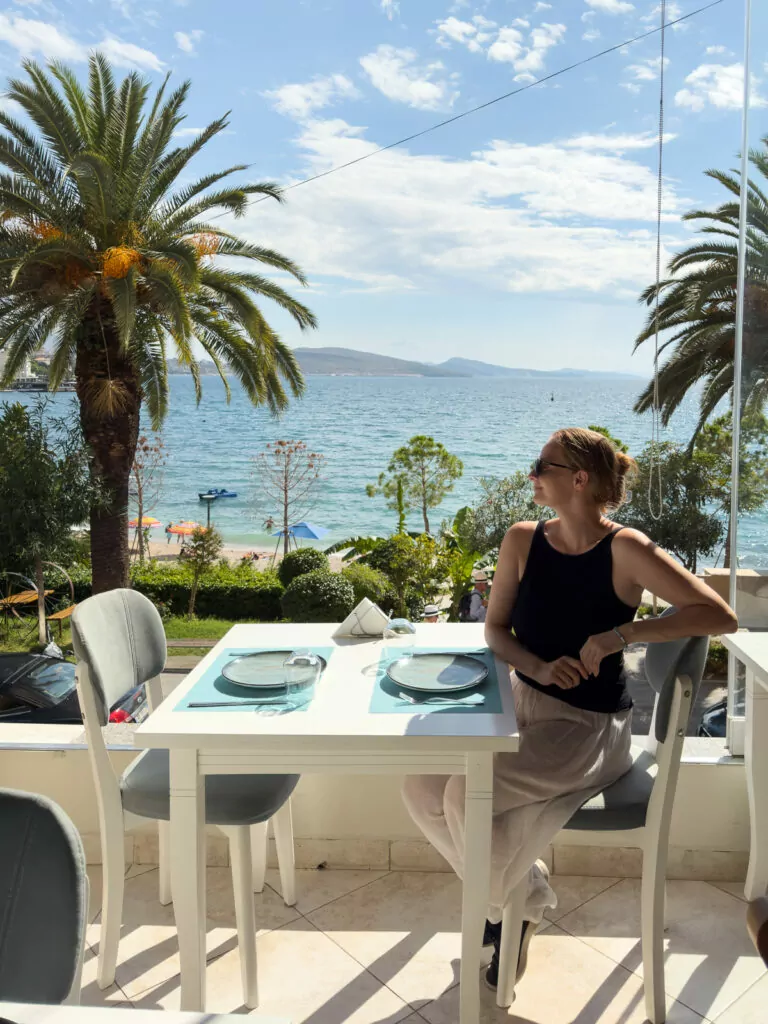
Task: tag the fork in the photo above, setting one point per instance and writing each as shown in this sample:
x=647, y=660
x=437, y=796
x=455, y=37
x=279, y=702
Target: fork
x=473, y=700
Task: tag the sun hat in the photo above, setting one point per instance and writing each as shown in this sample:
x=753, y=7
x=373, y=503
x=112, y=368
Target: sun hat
x=479, y=576
x=431, y=609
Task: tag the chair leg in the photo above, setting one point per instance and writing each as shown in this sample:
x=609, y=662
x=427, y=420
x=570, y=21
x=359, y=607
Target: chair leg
x=164, y=861
x=282, y=822
x=113, y=885
x=652, y=901
x=259, y=846
x=511, y=927
x=240, y=855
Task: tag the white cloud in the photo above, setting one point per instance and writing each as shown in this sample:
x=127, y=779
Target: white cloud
x=472, y=34
x=717, y=85
x=576, y=215
x=394, y=73
x=128, y=55
x=648, y=70
x=390, y=8
x=185, y=133
x=302, y=99
x=186, y=40
x=617, y=143
x=591, y=34
x=526, y=58
x=588, y=15
x=711, y=50
x=674, y=11
x=31, y=37
x=542, y=7
x=611, y=6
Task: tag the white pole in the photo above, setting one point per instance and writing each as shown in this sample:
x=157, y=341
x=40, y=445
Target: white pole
x=737, y=353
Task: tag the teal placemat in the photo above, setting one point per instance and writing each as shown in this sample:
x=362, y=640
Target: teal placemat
x=213, y=686
x=385, y=700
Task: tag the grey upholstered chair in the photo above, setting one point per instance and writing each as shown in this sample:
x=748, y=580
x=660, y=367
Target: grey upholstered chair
x=119, y=643
x=43, y=901
x=639, y=807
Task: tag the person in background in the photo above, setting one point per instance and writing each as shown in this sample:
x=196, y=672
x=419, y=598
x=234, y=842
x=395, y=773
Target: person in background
x=563, y=610
x=168, y=533
x=431, y=613
x=478, y=602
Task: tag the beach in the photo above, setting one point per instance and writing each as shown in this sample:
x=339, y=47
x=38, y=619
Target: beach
x=165, y=552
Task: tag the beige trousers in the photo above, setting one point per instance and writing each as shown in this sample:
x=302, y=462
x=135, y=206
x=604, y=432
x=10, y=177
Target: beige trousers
x=566, y=755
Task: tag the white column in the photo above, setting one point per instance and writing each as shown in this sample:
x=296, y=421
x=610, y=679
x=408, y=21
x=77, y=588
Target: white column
x=756, y=761
x=477, y=879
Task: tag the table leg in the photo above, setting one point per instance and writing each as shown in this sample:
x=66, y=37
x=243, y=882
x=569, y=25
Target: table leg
x=188, y=874
x=756, y=763
x=477, y=877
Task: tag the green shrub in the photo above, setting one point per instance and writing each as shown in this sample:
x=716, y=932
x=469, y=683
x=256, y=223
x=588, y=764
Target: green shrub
x=318, y=596
x=717, y=660
x=367, y=582
x=297, y=563
x=240, y=593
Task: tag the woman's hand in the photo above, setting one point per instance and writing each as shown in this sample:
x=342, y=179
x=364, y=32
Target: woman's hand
x=565, y=672
x=598, y=647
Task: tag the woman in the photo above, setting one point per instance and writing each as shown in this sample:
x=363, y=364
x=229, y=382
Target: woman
x=561, y=612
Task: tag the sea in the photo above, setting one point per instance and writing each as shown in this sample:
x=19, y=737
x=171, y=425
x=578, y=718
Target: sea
x=494, y=425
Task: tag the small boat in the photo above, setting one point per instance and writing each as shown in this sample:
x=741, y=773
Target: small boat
x=216, y=492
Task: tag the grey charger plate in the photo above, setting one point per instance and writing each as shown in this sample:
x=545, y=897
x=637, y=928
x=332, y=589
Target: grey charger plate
x=437, y=673
x=262, y=668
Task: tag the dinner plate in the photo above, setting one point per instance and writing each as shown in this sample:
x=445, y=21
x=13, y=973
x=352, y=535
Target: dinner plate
x=263, y=668
x=438, y=673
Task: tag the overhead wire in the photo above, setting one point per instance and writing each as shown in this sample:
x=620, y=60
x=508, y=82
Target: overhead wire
x=497, y=99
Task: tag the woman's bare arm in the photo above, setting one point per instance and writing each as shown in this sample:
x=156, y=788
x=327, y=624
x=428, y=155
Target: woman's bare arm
x=699, y=610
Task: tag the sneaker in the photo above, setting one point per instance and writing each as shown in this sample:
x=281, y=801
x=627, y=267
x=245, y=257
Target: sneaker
x=492, y=972
x=491, y=933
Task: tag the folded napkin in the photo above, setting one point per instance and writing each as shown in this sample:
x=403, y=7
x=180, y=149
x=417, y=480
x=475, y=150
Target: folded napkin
x=367, y=619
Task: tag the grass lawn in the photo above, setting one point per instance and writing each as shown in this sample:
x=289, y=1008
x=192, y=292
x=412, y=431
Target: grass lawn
x=23, y=636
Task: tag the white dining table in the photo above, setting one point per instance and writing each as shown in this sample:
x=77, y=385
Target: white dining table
x=338, y=734
x=752, y=650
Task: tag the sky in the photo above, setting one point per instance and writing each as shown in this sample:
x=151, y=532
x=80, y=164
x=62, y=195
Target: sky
x=522, y=234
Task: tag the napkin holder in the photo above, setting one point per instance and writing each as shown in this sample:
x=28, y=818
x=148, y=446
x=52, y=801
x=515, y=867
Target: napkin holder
x=366, y=619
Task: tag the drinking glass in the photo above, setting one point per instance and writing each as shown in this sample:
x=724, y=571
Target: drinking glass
x=301, y=670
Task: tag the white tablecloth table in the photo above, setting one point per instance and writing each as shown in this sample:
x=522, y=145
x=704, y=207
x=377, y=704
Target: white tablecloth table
x=337, y=735
x=752, y=650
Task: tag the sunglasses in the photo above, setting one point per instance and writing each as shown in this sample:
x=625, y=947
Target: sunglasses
x=540, y=465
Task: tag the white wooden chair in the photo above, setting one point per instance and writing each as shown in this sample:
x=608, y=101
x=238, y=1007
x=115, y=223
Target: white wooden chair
x=639, y=807
x=119, y=643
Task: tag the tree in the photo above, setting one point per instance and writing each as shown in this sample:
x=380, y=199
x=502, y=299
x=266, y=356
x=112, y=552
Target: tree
x=697, y=308
x=45, y=490
x=201, y=554
x=287, y=474
x=688, y=526
x=419, y=475
x=503, y=502
x=461, y=559
x=146, y=482
x=715, y=442
x=105, y=249
x=617, y=443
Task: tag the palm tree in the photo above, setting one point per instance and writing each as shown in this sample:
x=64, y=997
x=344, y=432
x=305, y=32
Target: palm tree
x=697, y=307
x=107, y=255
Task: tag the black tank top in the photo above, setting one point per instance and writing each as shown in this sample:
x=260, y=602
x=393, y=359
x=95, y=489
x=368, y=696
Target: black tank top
x=562, y=600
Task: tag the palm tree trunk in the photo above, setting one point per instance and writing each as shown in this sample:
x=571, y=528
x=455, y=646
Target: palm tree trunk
x=110, y=403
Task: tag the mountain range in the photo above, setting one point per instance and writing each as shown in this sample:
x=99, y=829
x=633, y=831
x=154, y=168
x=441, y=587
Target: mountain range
x=350, y=362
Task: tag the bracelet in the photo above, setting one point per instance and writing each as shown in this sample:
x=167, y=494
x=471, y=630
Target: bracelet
x=621, y=636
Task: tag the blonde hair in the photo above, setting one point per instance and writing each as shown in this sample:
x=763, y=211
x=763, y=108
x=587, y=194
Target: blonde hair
x=608, y=469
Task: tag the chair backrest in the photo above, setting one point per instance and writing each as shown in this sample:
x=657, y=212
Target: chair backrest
x=119, y=635
x=119, y=643
x=43, y=899
x=665, y=662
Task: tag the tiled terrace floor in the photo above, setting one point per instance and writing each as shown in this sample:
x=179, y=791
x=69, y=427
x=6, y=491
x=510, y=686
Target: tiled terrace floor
x=370, y=947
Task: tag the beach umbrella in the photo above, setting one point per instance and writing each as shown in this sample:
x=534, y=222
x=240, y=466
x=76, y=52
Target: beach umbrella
x=145, y=522
x=305, y=531
x=191, y=523
x=183, y=529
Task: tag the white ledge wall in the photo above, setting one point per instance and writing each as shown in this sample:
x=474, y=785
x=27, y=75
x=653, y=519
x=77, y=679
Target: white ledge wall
x=360, y=821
